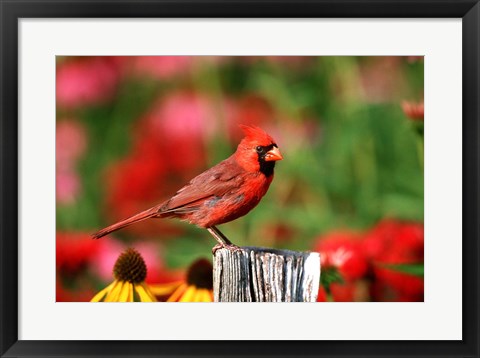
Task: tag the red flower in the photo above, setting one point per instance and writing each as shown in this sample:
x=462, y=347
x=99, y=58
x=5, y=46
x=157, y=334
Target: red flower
x=343, y=250
x=391, y=243
x=135, y=184
x=341, y=292
x=373, y=257
x=395, y=242
x=135, y=179
x=74, y=250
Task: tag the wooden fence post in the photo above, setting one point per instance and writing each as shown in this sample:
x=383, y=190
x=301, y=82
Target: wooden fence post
x=254, y=274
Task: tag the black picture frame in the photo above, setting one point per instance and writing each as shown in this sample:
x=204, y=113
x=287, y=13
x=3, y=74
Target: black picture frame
x=12, y=11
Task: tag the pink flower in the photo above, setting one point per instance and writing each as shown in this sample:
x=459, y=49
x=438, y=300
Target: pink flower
x=70, y=141
x=183, y=115
x=67, y=186
x=162, y=67
x=86, y=81
x=181, y=123
x=413, y=110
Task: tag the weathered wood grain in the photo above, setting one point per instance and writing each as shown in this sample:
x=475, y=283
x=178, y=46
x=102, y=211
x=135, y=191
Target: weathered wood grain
x=254, y=274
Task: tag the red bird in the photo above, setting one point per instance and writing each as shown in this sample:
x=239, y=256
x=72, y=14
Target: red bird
x=221, y=194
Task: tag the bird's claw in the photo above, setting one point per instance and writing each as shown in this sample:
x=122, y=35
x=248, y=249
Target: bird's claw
x=229, y=247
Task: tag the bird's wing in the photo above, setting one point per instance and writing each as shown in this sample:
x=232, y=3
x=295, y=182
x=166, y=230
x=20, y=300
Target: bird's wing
x=216, y=181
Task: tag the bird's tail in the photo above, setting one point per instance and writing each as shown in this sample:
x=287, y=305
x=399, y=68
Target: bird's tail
x=149, y=213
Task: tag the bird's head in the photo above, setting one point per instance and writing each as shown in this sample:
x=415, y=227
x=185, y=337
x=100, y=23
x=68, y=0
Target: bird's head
x=257, y=151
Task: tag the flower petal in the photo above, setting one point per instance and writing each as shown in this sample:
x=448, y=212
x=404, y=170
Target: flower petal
x=130, y=292
x=112, y=296
x=164, y=289
x=204, y=295
x=144, y=294
x=123, y=294
x=178, y=293
x=147, y=290
x=197, y=295
x=102, y=293
x=189, y=294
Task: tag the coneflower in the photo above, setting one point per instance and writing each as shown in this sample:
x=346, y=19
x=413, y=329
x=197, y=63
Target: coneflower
x=196, y=287
x=129, y=285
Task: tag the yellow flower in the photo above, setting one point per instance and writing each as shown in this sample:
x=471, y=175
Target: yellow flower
x=197, y=287
x=129, y=285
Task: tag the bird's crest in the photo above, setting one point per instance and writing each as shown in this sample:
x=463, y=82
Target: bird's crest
x=254, y=133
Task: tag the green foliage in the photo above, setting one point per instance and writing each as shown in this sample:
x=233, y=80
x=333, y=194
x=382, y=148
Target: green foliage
x=329, y=276
x=410, y=269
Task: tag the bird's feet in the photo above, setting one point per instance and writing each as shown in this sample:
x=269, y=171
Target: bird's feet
x=229, y=247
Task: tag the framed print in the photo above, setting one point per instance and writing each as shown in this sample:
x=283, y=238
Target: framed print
x=366, y=113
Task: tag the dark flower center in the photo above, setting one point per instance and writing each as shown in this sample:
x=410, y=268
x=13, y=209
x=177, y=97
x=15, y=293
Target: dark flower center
x=200, y=274
x=130, y=267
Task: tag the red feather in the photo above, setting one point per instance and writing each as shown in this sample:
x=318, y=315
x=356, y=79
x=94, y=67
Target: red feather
x=222, y=193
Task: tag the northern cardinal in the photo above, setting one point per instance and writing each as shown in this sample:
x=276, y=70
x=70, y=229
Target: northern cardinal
x=222, y=193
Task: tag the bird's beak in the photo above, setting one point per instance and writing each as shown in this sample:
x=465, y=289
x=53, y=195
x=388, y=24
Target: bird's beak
x=273, y=155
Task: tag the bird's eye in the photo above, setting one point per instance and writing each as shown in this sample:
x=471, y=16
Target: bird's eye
x=259, y=149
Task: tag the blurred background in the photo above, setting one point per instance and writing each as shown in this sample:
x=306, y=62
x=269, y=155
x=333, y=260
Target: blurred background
x=132, y=130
